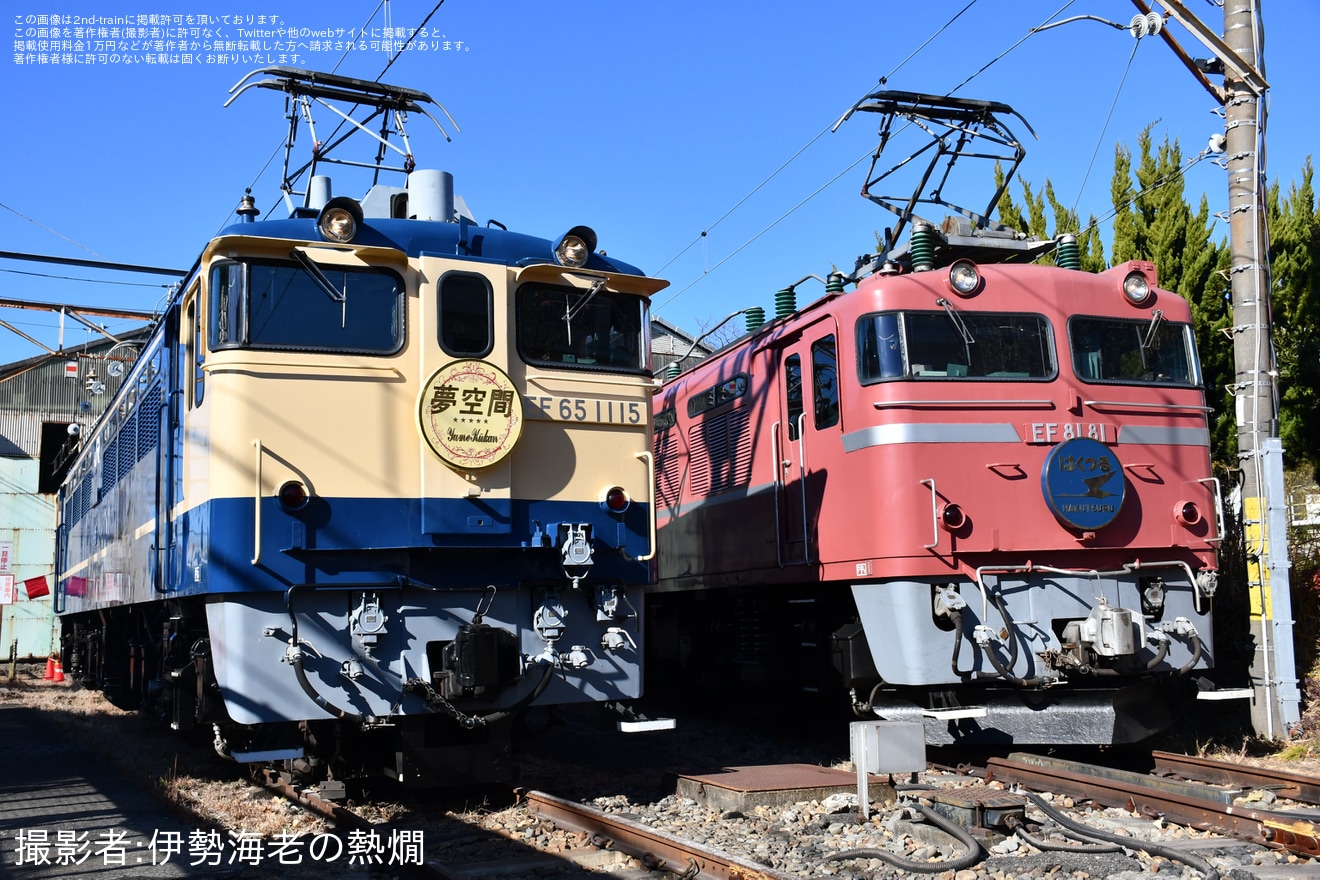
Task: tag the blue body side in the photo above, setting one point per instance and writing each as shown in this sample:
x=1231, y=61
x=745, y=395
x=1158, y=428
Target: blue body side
x=339, y=541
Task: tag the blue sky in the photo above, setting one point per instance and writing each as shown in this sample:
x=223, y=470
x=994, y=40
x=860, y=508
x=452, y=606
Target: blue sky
x=652, y=123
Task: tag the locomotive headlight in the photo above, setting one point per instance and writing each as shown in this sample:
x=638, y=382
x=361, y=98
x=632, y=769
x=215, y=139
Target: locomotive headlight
x=575, y=247
x=615, y=499
x=1136, y=289
x=964, y=280
x=339, y=219
x=292, y=496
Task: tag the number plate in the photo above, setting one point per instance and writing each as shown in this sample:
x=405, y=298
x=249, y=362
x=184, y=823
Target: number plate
x=586, y=410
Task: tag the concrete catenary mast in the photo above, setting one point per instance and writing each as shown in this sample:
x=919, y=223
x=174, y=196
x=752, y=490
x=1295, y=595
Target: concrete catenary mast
x=1239, y=55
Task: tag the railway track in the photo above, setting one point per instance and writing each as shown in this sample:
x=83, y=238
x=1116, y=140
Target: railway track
x=1196, y=805
x=632, y=846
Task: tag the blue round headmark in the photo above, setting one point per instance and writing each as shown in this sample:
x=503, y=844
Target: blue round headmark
x=1083, y=483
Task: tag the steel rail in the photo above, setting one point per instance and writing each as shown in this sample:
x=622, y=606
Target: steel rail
x=1294, y=786
x=657, y=850
x=1145, y=796
x=342, y=817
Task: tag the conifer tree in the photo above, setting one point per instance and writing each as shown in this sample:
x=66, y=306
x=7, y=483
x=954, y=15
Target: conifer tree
x=1295, y=267
x=1033, y=223
x=1153, y=222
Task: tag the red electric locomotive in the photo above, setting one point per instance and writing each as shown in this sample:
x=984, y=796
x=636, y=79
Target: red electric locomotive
x=976, y=486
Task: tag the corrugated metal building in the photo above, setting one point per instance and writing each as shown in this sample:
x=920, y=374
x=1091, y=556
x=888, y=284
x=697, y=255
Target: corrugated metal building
x=670, y=344
x=39, y=399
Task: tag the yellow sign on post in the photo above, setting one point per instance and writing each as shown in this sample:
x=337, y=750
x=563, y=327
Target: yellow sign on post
x=470, y=414
x=1257, y=545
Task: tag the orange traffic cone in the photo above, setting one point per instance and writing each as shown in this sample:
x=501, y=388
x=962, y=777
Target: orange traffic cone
x=50, y=669
x=59, y=671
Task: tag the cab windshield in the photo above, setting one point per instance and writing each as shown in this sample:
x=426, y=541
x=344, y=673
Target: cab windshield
x=1144, y=351
x=583, y=329
x=952, y=344
x=270, y=305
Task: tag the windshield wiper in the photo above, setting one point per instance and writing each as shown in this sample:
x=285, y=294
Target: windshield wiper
x=1156, y=319
x=961, y=327
x=318, y=276
x=596, y=287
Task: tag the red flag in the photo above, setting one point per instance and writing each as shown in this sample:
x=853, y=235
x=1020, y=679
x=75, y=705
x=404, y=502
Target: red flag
x=36, y=587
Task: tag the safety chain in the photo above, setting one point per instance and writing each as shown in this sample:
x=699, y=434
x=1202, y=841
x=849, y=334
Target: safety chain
x=433, y=698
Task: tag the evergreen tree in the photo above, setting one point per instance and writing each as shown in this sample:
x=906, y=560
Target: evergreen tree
x=1153, y=222
x=1033, y=223
x=1295, y=267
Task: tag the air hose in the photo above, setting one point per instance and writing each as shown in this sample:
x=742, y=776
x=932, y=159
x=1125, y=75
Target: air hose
x=1194, y=862
x=973, y=855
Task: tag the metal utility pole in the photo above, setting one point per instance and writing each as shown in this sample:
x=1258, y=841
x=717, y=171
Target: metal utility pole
x=1275, y=704
x=1276, y=701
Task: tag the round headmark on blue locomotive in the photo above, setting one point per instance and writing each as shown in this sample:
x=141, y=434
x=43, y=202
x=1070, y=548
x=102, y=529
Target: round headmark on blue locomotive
x=470, y=414
x=1083, y=483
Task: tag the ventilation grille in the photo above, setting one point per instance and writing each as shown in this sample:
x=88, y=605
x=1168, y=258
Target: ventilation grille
x=721, y=452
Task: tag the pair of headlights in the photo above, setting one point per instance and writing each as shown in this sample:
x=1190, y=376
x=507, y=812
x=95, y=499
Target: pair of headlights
x=965, y=280
x=341, y=218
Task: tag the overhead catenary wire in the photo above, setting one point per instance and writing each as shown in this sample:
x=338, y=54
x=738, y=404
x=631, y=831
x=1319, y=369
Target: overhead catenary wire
x=48, y=229
x=1168, y=178
x=1105, y=128
x=772, y=225
x=773, y=174
x=706, y=272
x=51, y=277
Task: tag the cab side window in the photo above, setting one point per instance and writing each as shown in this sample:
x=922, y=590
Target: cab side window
x=464, y=315
x=825, y=382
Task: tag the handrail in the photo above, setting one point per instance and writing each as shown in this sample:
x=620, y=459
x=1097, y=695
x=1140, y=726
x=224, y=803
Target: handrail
x=934, y=514
x=1128, y=568
x=1219, y=509
x=649, y=460
x=802, y=480
x=256, y=540
x=1128, y=403
x=641, y=383
x=779, y=470
x=164, y=482
x=885, y=404
x=223, y=366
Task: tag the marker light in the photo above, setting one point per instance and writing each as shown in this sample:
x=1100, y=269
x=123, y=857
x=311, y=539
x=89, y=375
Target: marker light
x=574, y=248
x=339, y=219
x=615, y=499
x=1135, y=288
x=292, y=496
x=964, y=280
x=1187, y=513
x=952, y=518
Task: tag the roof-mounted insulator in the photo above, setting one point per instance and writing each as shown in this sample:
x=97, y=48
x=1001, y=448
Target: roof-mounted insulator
x=672, y=371
x=754, y=318
x=785, y=302
x=922, y=247
x=1067, y=255
x=834, y=283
